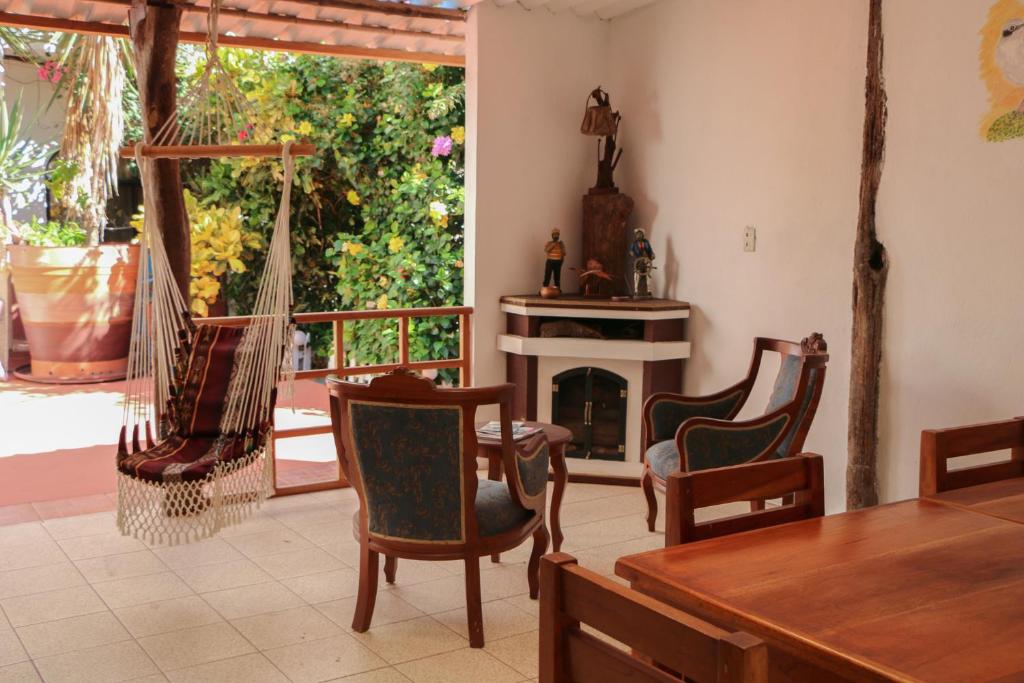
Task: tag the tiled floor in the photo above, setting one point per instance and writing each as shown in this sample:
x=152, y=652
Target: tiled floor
x=272, y=600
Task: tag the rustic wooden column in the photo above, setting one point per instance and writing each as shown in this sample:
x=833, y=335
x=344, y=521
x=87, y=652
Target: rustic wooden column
x=154, y=32
x=870, y=268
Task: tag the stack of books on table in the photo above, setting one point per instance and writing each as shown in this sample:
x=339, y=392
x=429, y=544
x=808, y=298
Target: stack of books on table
x=492, y=430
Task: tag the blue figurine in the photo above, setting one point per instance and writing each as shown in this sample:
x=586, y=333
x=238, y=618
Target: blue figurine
x=643, y=264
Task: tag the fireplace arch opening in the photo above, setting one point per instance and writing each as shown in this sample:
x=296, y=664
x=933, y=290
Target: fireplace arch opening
x=591, y=403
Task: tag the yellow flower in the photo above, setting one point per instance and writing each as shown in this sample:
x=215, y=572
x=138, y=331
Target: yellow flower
x=352, y=248
x=305, y=128
x=383, y=281
x=459, y=134
x=353, y=198
x=382, y=302
x=395, y=244
x=347, y=120
x=430, y=68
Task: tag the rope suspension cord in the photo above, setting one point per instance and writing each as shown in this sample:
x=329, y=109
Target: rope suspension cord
x=259, y=363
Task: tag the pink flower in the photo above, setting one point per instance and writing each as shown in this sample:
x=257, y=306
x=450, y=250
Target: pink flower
x=442, y=146
x=50, y=71
x=243, y=134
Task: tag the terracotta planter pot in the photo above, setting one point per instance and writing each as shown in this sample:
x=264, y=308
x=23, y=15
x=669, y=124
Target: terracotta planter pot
x=76, y=306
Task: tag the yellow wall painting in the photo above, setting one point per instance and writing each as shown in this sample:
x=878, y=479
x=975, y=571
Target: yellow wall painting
x=1002, y=68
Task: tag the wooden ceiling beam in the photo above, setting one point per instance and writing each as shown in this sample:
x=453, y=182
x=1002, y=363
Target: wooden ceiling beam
x=392, y=8
x=119, y=31
x=329, y=24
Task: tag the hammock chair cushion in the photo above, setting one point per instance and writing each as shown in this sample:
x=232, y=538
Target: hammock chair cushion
x=179, y=458
x=203, y=392
x=195, y=446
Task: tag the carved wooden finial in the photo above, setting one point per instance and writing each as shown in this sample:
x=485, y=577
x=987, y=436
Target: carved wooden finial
x=814, y=344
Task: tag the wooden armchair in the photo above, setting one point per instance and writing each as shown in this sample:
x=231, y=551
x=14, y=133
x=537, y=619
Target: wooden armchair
x=409, y=449
x=687, y=434
x=798, y=480
x=938, y=446
x=571, y=595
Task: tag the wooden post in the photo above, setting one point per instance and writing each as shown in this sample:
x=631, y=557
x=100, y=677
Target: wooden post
x=870, y=268
x=154, y=30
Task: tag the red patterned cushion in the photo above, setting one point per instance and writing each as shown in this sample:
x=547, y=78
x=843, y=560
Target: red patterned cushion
x=201, y=401
x=179, y=458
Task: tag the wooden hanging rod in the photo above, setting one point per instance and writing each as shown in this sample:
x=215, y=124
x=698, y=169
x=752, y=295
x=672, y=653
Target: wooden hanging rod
x=302, y=149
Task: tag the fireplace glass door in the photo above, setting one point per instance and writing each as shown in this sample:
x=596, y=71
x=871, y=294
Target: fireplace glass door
x=591, y=403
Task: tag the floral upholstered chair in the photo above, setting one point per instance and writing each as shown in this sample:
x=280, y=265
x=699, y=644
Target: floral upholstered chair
x=409, y=448
x=684, y=433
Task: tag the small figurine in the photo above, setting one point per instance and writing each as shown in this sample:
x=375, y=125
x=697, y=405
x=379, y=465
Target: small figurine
x=554, y=251
x=592, y=277
x=643, y=258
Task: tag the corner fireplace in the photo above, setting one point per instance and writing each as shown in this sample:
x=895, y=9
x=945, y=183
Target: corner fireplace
x=591, y=403
x=588, y=365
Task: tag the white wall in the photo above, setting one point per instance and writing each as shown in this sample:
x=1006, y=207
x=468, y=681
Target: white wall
x=749, y=113
x=948, y=214
x=41, y=122
x=527, y=76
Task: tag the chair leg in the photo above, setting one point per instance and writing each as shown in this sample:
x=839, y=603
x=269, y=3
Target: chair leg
x=756, y=505
x=541, y=537
x=652, y=502
x=474, y=612
x=368, y=570
x=390, y=568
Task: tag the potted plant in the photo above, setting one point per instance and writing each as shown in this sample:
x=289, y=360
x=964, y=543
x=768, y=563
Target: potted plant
x=75, y=295
x=76, y=302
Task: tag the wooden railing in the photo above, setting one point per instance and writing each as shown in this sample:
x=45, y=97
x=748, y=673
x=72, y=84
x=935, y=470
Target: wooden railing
x=338, y=319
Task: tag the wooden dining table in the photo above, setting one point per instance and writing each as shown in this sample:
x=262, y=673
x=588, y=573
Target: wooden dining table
x=1003, y=499
x=920, y=590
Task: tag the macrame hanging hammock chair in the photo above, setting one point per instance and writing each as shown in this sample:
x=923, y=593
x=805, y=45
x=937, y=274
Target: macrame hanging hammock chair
x=208, y=391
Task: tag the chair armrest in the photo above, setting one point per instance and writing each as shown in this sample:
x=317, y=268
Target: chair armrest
x=527, y=472
x=706, y=443
x=664, y=412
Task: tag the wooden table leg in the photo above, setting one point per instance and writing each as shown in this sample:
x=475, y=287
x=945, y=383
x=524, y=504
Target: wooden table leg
x=494, y=474
x=561, y=478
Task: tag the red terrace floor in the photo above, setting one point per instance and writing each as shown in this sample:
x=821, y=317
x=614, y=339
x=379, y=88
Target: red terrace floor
x=57, y=445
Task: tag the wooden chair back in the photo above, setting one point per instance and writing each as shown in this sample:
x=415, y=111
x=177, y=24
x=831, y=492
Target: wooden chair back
x=939, y=446
x=799, y=481
x=571, y=596
x=452, y=483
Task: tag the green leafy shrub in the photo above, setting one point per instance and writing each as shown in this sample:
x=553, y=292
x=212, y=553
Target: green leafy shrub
x=39, y=233
x=377, y=214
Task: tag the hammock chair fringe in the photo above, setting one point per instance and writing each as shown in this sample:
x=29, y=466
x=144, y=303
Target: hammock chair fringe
x=188, y=511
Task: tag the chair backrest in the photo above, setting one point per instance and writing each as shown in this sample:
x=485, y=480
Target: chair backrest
x=571, y=596
x=409, y=448
x=939, y=446
x=201, y=396
x=799, y=481
x=800, y=379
